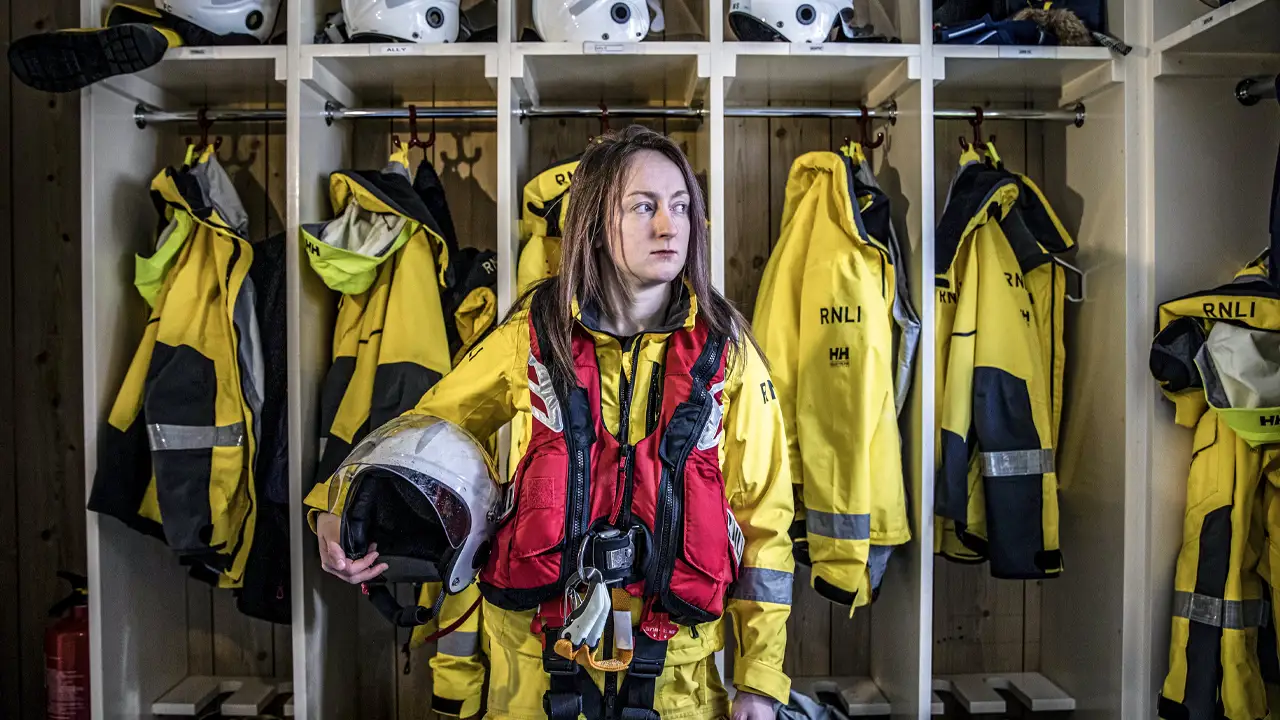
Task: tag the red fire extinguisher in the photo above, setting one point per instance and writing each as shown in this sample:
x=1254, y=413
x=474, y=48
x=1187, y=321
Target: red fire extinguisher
x=66, y=653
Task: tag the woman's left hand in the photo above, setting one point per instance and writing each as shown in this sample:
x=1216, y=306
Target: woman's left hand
x=750, y=706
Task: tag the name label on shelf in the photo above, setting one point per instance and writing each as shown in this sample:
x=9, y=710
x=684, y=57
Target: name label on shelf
x=1017, y=51
x=391, y=49
x=1215, y=17
x=610, y=48
x=810, y=49
x=198, y=51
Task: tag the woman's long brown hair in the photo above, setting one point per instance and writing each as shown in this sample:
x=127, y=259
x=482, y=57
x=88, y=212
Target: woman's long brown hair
x=588, y=272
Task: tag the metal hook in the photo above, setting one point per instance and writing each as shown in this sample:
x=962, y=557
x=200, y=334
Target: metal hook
x=604, y=118
x=1080, y=278
x=864, y=122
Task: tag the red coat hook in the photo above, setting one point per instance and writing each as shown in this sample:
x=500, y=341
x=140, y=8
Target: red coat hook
x=975, y=122
x=204, y=123
x=414, y=141
x=864, y=122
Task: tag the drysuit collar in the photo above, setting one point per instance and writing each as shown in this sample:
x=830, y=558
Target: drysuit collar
x=681, y=311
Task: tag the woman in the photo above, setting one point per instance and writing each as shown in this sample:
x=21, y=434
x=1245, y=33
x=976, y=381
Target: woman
x=634, y=290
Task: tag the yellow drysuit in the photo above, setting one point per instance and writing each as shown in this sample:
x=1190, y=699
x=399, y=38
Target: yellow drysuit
x=492, y=385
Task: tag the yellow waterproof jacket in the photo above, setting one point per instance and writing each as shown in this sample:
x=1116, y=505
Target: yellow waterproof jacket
x=385, y=253
x=1215, y=355
x=491, y=386
x=192, y=394
x=824, y=318
x=1000, y=361
x=458, y=666
x=546, y=200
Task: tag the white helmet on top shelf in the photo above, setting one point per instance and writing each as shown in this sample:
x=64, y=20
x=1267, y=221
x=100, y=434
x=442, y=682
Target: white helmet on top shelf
x=227, y=17
x=412, y=21
x=796, y=21
x=595, y=20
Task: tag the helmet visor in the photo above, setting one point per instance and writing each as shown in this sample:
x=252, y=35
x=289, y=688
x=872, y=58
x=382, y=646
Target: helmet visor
x=420, y=492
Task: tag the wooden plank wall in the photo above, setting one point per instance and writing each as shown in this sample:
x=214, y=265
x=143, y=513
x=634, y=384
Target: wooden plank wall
x=42, y=527
x=981, y=624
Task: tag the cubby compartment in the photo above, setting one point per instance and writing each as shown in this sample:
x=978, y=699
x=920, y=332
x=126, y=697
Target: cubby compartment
x=1240, y=27
x=902, y=17
x=351, y=109
x=683, y=21
x=1050, y=645
x=163, y=642
x=1202, y=235
x=777, y=108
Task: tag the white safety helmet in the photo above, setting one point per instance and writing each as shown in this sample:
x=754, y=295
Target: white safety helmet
x=595, y=20
x=413, y=21
x=797, y=21
x=425, y=491
x=227, y=17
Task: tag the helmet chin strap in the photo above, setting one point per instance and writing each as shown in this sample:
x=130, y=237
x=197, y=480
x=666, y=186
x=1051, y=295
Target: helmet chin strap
x=407, y=616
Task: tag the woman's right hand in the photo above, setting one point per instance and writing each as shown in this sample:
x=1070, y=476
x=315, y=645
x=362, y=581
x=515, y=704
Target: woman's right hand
x=335, y=561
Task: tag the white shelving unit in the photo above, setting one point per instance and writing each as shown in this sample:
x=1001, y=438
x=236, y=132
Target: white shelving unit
x=1125, y=184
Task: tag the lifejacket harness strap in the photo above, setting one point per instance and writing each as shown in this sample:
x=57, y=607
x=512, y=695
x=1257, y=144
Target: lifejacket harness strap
x=573, y=692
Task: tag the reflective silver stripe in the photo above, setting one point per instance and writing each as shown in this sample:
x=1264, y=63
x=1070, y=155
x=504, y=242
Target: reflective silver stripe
x=459, y=644
x=839, y=526
x=1229, y=614
x=761, y=585
x=194, y=437
x=1016, y=462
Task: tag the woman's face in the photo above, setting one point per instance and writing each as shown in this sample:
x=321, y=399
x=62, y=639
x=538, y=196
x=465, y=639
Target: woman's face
x=654, y=228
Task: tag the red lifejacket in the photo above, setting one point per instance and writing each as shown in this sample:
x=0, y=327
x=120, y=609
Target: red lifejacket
x=576, y=477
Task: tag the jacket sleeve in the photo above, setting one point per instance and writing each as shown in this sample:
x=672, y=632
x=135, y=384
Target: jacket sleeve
x=458, y=666
x=758, y=484
x=478, y=395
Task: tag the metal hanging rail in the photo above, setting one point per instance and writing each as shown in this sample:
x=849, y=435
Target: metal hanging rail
x=145, y=115
x=1075, y=115
x=1251, y=91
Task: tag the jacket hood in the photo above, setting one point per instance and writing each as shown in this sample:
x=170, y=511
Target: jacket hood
x=546, y=198
x=1221, y=348
x=982, y=193
x=200, y=195
x=377, y=213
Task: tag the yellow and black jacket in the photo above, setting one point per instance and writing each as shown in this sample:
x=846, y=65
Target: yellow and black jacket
x=546, y=200
x=825, y=319
x=491, y=386
x=177, y=451
x=387, y=255
x=1216, y=355
x=542, y=214
x=1000, y=361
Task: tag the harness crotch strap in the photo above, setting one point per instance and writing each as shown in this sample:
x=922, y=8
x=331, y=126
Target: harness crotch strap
x=573, y=692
